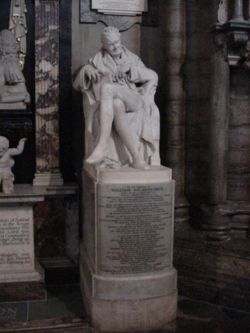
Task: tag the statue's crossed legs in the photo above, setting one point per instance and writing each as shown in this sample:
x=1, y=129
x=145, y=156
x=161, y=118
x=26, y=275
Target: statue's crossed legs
x=116, y=101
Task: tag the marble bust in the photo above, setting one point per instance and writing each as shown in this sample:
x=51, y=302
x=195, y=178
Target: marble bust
x=121, y=117
x=7, y=162
x=13, y=92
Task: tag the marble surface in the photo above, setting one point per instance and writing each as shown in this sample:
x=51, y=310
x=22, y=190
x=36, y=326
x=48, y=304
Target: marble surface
x=17, y=257
x=13, y=91
x=7, y=162
x=127, y=277
x=47, y=92
x=122, y=121
x=129, y=175
x=55, y=217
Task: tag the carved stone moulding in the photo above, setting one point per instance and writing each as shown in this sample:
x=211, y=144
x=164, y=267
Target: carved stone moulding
x=237, y=42
x=223, y=221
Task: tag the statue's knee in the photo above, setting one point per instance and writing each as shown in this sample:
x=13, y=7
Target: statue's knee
x=118, y=105
x=107, y=88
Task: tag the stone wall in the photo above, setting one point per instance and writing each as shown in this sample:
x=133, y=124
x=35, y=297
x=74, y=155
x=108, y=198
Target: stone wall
x=217, y=172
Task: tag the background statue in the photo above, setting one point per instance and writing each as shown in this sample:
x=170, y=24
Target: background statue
x=18, y=27
x=12, y=81
x=122, y=119
x=7, y=162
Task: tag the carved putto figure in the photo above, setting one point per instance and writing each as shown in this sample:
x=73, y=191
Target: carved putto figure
x=122, y=119
x=7, y=162
x=12, y=82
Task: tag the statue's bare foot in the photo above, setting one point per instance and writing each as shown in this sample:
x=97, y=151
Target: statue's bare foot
x=140, y=164
x=96, y=157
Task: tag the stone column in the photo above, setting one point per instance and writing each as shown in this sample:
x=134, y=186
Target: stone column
x=47, y=93
x=238, y=11
x=207, y=119
x=175, y=27
x=216, y=211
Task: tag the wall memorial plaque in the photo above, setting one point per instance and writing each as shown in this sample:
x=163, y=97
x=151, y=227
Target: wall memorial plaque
x=16, y=239
x=135, y=223
x=17, y=256
x=128, y=7
x=121, y=14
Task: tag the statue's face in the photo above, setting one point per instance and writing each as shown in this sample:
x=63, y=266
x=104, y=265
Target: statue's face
x=112, y=44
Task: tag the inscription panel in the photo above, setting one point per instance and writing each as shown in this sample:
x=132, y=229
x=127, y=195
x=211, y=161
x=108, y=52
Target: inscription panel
x=135, y=228
x=112, y=6
x=122, y=20
x=16, y=239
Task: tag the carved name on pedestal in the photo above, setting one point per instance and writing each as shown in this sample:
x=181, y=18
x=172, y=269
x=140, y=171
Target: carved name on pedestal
x=135, y=227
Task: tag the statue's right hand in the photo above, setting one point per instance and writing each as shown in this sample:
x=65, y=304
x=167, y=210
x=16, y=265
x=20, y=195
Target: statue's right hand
x=23, y=140
x=92, y=73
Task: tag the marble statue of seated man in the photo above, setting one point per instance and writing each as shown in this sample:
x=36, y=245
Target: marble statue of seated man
x=12, y=81
x=7, y=162
x=121, y=117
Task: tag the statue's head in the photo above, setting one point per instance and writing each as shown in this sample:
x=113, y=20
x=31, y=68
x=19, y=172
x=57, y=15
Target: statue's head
x=7, y=42
x=111, y=41
x=4, y=145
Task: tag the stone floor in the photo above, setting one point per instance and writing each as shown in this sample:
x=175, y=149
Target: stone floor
x=63, y=312
x=215, y=272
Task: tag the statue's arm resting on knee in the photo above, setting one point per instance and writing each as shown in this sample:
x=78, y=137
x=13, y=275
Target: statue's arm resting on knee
x=147, y=78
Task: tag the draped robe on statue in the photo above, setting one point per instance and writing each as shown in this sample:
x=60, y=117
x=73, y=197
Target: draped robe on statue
x=143, y=122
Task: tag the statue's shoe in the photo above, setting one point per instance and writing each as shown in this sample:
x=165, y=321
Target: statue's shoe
x=96, y=157
x=140, y=164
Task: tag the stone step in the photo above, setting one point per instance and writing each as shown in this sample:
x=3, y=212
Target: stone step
x=48, y=326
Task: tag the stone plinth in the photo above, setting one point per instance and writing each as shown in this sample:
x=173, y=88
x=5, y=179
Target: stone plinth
x=17, y=256
x=13, y=106
x=127, y=277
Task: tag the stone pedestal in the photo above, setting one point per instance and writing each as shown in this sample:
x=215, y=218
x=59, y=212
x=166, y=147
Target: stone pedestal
x=127, y=277
x=17, y=256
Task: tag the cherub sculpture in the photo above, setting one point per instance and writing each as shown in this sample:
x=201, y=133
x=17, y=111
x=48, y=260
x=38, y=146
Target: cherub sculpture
x=7, y=162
